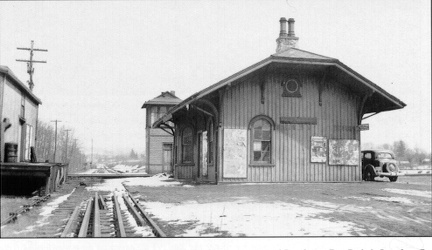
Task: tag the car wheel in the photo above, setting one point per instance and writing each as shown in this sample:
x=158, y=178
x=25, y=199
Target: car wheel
x=393, y=178
x=369, y=175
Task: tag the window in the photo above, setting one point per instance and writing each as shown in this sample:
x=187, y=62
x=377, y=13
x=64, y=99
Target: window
x=384, y=156
x=153, y=115
x=368, y=155
x=187, y=145
x=261, y=131
x=22, y=111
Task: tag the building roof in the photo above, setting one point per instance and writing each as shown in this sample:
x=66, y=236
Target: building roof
x=380, y=99
x=165, y=98
x=20, y=85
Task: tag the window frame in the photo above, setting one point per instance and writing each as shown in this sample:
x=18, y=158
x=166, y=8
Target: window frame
x=251, y=134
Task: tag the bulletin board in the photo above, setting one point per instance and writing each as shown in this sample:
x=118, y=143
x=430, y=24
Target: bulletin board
x=344, y=152
x=235, y=153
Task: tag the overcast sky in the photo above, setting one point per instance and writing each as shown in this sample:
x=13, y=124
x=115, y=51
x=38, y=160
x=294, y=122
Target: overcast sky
x=105, y=59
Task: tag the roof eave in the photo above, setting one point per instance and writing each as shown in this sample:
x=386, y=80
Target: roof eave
x=274, y=58
x=20, y=85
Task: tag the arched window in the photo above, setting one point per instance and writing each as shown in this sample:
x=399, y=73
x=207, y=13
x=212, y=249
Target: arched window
x=261, y=140
x=187, y=145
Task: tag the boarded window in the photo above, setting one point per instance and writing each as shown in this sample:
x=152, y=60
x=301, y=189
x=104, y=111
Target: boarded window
x=187, y=145
x=261, y=131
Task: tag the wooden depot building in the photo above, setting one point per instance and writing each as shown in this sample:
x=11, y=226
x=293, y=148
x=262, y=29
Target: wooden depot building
x=292, y=117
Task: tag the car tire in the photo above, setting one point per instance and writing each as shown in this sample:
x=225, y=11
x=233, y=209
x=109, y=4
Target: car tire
x=369, y=174
x=393, y=178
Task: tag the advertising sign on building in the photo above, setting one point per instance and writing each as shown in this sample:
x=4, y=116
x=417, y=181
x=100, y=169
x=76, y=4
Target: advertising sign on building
x=318, y=149
x=235, y=162
x=344, y=152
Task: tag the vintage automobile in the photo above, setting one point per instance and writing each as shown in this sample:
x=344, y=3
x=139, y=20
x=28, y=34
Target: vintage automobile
x=379, y=163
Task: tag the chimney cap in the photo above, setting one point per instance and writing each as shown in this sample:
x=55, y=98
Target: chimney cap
x=291, y=20
x=282, y=19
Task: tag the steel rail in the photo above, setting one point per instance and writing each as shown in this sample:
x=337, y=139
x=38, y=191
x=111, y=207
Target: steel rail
x=102, y=203
x=156, y=230
x=85, y=222
x=119, y=220
x=14, y=215
x=96, y=217
x=139, y=218
x=67, y=230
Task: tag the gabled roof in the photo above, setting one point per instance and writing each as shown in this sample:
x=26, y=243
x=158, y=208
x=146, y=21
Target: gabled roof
x=166, y=98
x=386, y=101
x=20, y=85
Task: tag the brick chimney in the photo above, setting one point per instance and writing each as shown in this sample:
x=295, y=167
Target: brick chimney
x=286, y=40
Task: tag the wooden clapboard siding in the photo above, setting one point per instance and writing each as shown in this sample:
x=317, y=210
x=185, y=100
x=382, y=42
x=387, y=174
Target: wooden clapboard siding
x=336, y=119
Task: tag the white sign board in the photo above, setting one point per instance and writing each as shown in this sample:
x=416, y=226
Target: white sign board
x=235, y=153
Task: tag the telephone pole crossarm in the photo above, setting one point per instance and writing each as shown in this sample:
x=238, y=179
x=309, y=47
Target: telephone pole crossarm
x=30, y=69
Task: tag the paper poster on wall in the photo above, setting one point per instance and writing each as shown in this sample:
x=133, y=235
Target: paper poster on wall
x=318, y=149
x=235, y=162
x=344, y=152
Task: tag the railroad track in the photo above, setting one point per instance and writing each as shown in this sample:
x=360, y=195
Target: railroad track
x=14, y=215
x=115, y=215
x=87, y=213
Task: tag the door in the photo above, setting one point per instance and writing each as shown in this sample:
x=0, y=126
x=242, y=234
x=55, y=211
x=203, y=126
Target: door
x=167, y=158
x=202, y=155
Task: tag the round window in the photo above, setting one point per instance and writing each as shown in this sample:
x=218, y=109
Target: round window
x=292, y=86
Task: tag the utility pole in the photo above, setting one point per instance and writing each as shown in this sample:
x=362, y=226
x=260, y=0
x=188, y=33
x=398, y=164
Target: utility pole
x=55, y=139
x=91, y=159
x=30, y=69
x=66, y=153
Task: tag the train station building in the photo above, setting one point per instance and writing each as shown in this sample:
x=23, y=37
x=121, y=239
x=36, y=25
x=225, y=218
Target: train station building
x=295, y=116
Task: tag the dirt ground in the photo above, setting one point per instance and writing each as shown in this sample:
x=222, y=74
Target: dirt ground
x=379, y=208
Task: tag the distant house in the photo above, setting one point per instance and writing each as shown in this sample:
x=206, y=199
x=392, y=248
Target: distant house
x=159, y=141
x=292, y=117
x=18, y=116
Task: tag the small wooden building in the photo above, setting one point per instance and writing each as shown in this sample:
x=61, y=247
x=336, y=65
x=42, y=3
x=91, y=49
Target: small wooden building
x=292, y=117
x=20, y=174
x=18, y=114
x=159, y=141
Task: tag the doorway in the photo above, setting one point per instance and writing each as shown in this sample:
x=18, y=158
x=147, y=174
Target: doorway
x=167, y=157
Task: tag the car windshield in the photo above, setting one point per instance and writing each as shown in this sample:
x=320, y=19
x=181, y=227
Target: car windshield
x=384, y=156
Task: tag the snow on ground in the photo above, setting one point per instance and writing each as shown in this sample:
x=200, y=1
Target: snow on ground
x=244, y=217
x=154, y=181
x=46, y=213
x=426, y=194
x=117, y=184
x=389, y=199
